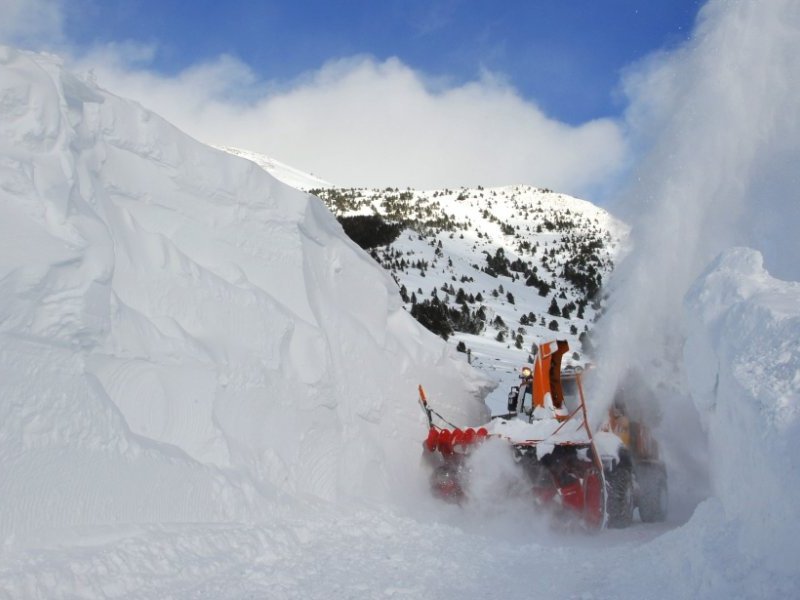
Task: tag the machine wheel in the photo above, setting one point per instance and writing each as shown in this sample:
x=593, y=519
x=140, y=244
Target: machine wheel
x=619, y=496
x=446, y=483
x=653, y=496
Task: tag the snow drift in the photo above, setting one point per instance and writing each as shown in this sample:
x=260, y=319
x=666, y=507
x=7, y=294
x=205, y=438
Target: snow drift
x=743, y=360
x=182, y=337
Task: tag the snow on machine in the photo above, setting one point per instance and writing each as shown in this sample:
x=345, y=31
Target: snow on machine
x=599, y=477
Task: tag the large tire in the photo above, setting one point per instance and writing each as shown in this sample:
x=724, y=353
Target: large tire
x=653, y=496
x=447, y=482
x=619, y=497
x=594, y=499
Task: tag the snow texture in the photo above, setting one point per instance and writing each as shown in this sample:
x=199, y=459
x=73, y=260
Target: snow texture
x=743, y=359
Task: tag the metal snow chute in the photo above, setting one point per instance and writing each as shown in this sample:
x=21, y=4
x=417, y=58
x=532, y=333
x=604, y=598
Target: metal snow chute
x=540, y=394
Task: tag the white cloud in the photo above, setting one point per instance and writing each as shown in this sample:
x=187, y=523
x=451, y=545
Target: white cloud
x=359, y=121
x=31, y=23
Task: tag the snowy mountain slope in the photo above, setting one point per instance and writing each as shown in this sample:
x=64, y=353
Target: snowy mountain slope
x=177, y=339
x=503, y=268
x=280, y=171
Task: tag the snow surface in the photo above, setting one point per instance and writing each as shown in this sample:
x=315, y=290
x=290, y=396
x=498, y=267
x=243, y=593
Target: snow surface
x=207, y=391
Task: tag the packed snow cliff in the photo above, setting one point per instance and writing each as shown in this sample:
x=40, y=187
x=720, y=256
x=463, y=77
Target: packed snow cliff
x=742, y=358
x=183, y=337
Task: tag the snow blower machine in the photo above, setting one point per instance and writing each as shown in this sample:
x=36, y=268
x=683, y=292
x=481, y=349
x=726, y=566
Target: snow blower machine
x=597, y=478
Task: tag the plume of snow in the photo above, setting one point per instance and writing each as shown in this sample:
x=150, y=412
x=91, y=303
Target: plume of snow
x=718, y=125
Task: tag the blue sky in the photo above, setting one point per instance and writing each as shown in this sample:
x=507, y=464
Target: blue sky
x=566, y=55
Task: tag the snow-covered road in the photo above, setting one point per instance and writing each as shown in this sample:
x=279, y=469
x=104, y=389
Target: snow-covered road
x=330, y=552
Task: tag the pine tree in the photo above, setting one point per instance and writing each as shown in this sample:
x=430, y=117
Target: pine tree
x=554, y=309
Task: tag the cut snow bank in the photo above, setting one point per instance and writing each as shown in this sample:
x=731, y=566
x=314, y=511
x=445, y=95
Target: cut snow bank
x=183, y=337
x=742, y=359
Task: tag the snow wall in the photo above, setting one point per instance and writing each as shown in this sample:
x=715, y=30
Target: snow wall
x=742, y=359
x=182, y=337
